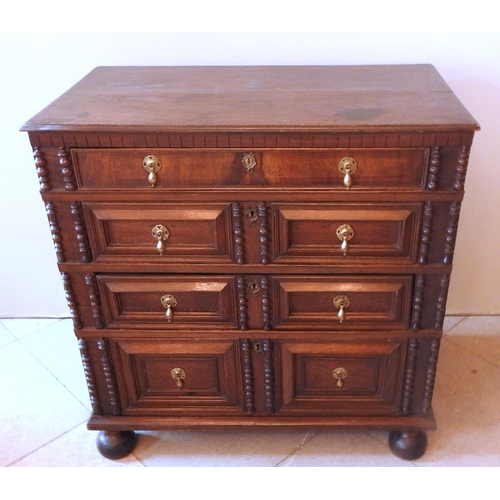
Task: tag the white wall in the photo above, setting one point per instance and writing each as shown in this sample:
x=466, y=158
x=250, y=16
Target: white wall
x=37, y=67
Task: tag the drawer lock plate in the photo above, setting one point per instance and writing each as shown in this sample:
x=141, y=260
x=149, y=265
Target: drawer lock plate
x=249, y=162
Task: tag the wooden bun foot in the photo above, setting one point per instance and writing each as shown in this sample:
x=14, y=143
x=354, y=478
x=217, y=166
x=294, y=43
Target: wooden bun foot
x=408, y=445
x=116, y=444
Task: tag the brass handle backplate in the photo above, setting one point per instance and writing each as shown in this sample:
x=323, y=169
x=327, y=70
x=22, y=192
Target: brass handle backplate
x=151, y=165
x=178, y=374
x=348, y=166
x=249, y=161
x=169, y=302
x=160, y=234
x=345, y=233
x=339, y=374
x=341, y=302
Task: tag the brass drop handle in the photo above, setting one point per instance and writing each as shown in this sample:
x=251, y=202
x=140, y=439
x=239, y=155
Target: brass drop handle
x=339, y=374
x=249, y=161
x=345, y=233
x=160, y=234
x=169, y=302
x=178, y=374
x=151, y=164
x=348, y=166
x=341, y=302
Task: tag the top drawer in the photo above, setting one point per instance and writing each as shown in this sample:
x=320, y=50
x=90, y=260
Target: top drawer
x=391, y=168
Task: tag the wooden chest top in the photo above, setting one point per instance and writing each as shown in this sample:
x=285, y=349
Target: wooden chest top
x=264, y=98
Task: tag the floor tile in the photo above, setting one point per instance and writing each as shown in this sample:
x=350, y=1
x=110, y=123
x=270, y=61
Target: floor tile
x=20, y=327
x=450, y=322
x=479, y=335
x=217, y=448
x=6, y=336
x=478, y=325
x=56, y=347
x=467, y=407
x=75, y=448
x=331, y=448
x=35, y=407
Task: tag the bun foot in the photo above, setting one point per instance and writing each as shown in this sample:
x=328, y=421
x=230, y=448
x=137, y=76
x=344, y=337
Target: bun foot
x=116, y=444
x=408, y=445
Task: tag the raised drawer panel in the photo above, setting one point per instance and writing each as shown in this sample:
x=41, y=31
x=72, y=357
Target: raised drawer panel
x=193, y=233
x=309, y=302
x=392, y=168
x=312, y=233
x=341, y=378
x=132, y=301
x=178, y=376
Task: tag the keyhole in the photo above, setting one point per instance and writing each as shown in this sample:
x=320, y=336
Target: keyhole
x=257, y=347
x=254, y=287
x=253, y=214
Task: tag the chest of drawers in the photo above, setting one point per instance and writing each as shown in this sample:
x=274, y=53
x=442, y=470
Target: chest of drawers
x=249, y=247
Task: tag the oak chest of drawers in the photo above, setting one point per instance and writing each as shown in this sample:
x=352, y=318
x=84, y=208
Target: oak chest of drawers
x=248, y=247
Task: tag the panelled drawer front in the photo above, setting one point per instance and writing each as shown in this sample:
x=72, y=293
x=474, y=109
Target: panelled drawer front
x=385, y=168
x=198, y=233
x=315, y=302
x=178, y=376
x=135, y=301
x=341, y=378
x=390, y=168
x=312, y=233
x=123, y=168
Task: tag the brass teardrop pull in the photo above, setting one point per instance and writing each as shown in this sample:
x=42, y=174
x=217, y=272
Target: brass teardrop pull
x=169, y=302
x=160, y=234
x=178, y=374
x=341, y=302
x=151, y=164
x=339, y=374
x=345, y=233
x=348, y=166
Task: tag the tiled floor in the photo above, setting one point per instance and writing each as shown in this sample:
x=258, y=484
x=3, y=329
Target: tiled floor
x=44, y=407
